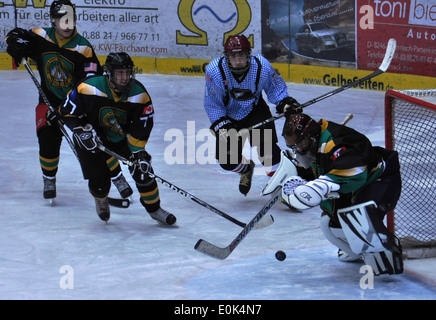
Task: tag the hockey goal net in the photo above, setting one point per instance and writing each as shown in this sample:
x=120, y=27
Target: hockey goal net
x=410, y=129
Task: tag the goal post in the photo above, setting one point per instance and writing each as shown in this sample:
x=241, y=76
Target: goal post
x=410, y=129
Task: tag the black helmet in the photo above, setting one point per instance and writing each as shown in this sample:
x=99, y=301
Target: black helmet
x=56, y=10
x=59, y=8
x=119, y=60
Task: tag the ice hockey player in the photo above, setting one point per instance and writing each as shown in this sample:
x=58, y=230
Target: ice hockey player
x=63, y=58
x=233, y=101
x=355, y=183
x=114, y=110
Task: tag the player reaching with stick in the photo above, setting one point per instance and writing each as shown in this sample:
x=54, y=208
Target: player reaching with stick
x=63, y=58
x=355, y=184
x=233, y=101
x=114, y=110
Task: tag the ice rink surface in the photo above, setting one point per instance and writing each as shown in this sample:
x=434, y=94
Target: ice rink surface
x=133, y=257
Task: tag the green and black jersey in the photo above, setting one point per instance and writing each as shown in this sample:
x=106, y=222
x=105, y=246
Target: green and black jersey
x=348, y=158
x=129, y=116
x=62, y=64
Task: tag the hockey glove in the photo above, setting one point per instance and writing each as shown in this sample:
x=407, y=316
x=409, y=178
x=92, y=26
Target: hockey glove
x=141, y=161
x=290, y=185
x=18, y=44
x=289, y=106
x=312, y=193
x=225, y=130
x=288, y=189
x=86, y=137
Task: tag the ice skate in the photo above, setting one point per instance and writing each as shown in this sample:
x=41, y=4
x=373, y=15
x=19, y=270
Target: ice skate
x=102, y=207
x=163, y=217
x=49, y=187
x=245, y=181
x=123, y=186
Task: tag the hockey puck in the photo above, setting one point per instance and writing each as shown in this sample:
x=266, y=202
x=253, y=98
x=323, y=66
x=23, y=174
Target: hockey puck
x=280, y=255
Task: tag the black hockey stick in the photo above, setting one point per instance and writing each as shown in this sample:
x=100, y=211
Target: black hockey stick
x=389, y=55
x=265, y=222
x=120, y=203
x=222, y=253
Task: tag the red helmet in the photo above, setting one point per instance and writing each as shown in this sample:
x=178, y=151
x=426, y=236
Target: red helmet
x=236, y=44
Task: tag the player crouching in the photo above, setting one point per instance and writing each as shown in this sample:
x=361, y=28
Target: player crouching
x=355, y=184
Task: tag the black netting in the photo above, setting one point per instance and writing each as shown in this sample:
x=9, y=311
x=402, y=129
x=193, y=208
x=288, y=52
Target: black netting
x=414, y=137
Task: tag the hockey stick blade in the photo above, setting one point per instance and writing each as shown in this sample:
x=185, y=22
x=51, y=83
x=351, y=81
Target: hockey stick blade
x=216, y=252
x=389, y=55
x=119, y=203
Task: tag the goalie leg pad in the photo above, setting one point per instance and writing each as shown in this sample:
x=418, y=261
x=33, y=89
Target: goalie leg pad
x=389, y=261
x=336, y=237
x=364, y=228
x=385, y=262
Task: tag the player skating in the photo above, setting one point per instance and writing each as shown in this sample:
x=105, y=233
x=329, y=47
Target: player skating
x=233, y=101
x=63, y=58
x=355, y=184
x=115, y=110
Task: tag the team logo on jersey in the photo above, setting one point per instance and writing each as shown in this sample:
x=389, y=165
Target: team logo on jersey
x=111, y=121
x=58, y=74
x=337, y=153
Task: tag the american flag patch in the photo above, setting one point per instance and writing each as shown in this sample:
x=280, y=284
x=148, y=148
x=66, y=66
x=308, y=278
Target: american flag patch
x=90, y=67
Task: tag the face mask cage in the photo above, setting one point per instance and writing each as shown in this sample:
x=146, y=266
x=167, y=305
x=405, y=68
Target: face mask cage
x=239, y=70
x=120, y=88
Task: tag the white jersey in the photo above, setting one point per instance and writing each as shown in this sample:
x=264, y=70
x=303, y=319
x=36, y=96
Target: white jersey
x=226, y=96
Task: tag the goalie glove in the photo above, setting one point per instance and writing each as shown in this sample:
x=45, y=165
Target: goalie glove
x=141, y=161
x=86, y=137
x=312, y=193
x=289, y=187
x=291, y=184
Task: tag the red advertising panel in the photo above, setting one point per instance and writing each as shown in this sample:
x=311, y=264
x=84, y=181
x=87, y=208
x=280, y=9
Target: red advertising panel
x=411, y=22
